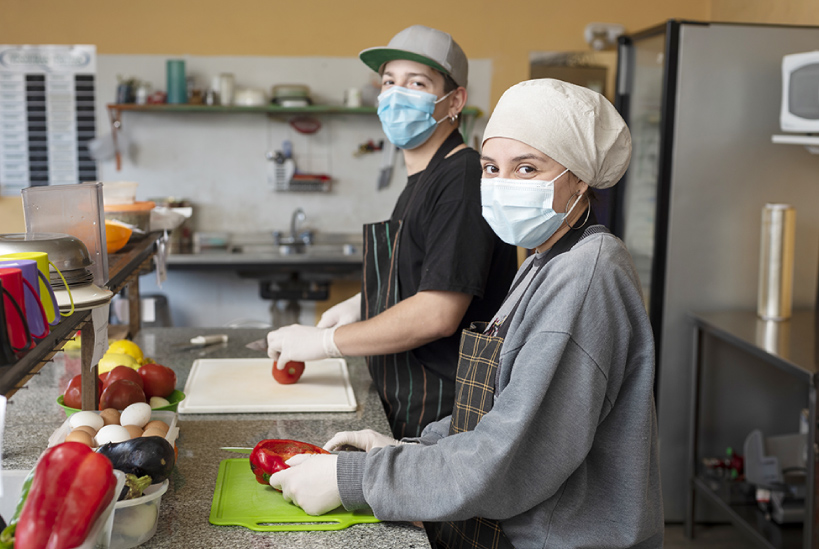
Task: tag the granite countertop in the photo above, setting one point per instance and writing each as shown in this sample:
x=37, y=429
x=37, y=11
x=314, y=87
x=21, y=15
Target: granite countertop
x=33, y=414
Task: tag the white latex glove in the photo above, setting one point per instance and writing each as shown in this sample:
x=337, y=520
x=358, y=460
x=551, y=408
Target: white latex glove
x=310, y=483
x=363, y=440
x=301, y=343
x=346, y=312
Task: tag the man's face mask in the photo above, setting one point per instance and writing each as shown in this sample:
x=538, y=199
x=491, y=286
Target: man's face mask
x=406, y=116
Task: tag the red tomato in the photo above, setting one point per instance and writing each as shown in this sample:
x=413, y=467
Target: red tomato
x=290, y=374
x=157, y=380
x=104, y=376
x=73, y=393
x=123, y=372
x=120, y=394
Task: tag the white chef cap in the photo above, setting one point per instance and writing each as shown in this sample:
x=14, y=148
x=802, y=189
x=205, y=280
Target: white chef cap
x=572, y=125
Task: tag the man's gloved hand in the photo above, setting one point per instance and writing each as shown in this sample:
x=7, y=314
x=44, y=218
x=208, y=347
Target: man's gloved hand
x=301, y=343
x=363, y=440
x=310, y=483
x=346, y=312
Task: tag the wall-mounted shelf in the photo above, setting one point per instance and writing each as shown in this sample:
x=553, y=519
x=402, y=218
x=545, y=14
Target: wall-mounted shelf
x=810, y=142
x=115, y=111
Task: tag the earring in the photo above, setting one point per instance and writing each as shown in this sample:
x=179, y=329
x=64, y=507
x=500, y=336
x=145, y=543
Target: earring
x=453, y=119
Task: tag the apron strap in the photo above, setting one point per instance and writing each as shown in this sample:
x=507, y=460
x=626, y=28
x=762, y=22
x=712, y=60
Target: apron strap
x=566, y=243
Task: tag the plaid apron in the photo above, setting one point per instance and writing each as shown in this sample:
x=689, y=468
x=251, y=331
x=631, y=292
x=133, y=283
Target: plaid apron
x=412, y=394
x=474, y=397
x=478, y=361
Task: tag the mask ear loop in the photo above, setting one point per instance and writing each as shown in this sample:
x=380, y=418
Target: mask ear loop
x=588, y=209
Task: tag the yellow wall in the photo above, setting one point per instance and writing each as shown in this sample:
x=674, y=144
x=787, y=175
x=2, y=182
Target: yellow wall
x=330, y=28
x=787, y=12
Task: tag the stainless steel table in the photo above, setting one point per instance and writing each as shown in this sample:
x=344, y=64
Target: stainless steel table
x=791, y=348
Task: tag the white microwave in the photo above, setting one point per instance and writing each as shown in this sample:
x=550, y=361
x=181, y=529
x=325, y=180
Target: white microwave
x=800, y=93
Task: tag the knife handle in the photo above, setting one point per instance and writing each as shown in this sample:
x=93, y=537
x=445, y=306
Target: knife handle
x=209, y=339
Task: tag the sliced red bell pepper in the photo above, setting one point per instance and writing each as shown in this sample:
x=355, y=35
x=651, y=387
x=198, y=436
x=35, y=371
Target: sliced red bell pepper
x=269, y=456
x=72, y=486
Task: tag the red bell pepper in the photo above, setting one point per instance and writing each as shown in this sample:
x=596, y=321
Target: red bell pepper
x=72, y=486
x=269, y=456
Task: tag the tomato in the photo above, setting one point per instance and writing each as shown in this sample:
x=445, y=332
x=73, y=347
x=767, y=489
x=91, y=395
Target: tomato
x=120, y=394
x=72, y=397
x=157, y=380
x=123, y=372
x=290, y=374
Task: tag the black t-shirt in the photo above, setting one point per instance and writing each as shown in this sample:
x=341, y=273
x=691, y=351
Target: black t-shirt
x=446, y=245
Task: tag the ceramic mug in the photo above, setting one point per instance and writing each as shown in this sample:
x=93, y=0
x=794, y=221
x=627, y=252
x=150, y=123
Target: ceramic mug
x=52, y=308
x=7, y=356
x=35, y=312
x=17, y=325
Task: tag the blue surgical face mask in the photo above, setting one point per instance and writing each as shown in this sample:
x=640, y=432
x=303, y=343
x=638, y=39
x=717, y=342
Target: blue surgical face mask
x=521, y=212
x=406, y=116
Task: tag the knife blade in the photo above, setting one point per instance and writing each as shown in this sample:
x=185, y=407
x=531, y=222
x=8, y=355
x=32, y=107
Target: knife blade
x=236, y=449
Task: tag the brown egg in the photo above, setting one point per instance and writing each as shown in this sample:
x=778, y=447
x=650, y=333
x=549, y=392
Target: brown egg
x=87, y=428
x=80, y=436
x=154, y=432
x=158, y=424
x=133, y=430
x=110, y=416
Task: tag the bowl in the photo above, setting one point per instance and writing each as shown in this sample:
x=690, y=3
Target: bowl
x=65, y=251
x=174, y=400
x=135, y=519
x=116, y=235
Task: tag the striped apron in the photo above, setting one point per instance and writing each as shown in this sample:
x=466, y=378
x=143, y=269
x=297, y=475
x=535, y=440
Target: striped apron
x=478, y=361
x=413, y=395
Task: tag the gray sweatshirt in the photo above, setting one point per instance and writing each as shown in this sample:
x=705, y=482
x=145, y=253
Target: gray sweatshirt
x=567, y=457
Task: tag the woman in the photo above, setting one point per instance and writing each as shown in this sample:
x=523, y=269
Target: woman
x=552, y=441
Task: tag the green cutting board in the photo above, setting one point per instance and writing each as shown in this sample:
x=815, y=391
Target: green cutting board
x=239, y=500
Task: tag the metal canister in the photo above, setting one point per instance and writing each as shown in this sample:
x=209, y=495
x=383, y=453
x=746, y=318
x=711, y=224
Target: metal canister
x=776, y=254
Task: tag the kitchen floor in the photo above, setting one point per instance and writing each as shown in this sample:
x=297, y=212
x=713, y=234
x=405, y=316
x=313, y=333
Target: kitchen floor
x=719, y=536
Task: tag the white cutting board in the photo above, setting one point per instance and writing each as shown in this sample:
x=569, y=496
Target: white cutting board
x=246, y=385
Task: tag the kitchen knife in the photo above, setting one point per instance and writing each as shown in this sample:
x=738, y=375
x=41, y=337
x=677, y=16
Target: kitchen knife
x=240, y=450
x=200, y=342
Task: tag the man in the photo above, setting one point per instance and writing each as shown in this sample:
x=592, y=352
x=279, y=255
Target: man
x=435, y=266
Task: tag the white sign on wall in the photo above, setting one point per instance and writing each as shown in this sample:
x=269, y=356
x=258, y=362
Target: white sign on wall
x=47, y=115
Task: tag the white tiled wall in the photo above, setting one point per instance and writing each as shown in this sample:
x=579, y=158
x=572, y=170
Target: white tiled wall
x=218, y=162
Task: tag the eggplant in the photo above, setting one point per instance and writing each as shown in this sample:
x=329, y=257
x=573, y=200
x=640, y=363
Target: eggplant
x=152, y=456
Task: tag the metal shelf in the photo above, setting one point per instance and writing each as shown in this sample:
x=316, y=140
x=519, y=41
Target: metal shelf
x=750, y=520
x=115, y=111
x=124, y=268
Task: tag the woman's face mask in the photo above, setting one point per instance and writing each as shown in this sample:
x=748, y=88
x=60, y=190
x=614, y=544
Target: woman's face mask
x=406, y=116
x=521, y=212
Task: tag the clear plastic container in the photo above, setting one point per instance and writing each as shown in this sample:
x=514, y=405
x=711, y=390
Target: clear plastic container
x=135, y=519
x=71, y=209
x=100, y=534
x=119, y=192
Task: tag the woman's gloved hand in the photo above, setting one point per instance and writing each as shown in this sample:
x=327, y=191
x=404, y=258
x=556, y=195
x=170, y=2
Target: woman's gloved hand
x=346, y=312
x=310, y=483
x=301, y=343
x=363, y=440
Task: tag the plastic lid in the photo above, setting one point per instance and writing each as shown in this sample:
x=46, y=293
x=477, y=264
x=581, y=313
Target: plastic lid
x=134, y=207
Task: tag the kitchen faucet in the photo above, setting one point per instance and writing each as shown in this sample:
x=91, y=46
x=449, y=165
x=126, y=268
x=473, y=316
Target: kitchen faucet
x=298, y=217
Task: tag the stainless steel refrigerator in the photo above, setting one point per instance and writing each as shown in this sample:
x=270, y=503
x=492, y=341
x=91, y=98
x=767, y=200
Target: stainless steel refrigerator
x=702, y=102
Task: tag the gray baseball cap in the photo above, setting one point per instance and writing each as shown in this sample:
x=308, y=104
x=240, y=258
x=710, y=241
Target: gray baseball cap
x=424, y=45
